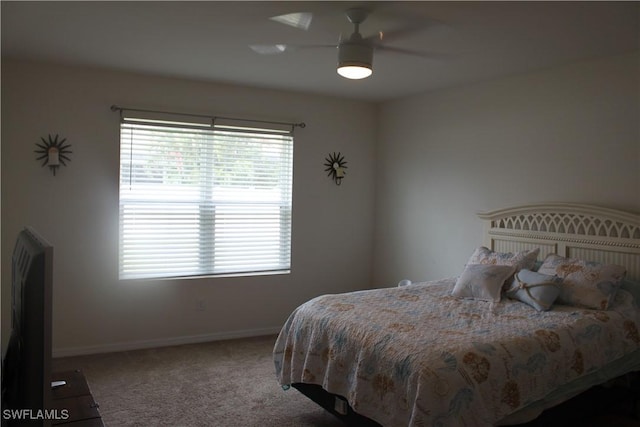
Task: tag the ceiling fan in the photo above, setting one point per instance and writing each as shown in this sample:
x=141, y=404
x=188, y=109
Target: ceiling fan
x=355, y=53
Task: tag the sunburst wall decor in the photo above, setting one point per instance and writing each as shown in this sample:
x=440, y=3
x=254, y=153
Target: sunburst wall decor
x=53, y=152
x=336, y=167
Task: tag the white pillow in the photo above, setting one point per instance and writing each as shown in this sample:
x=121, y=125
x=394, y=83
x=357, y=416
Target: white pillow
x=482, y=281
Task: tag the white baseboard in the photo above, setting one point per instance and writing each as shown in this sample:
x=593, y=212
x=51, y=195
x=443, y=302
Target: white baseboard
x=162, y=342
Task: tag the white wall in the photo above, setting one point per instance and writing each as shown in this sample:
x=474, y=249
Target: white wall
x=77, y=210
x=565, y=134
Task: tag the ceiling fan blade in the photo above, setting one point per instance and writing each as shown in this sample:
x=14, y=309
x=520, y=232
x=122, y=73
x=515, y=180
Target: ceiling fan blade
x=276, y=49
x=412, y=26
x=269, y=49
x=426, y=55
x=300, y=20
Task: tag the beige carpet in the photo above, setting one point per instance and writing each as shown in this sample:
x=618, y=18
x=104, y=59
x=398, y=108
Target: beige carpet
x=218, y=384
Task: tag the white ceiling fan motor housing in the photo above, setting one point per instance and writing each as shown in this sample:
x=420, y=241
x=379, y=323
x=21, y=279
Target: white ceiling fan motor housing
x=355, y=53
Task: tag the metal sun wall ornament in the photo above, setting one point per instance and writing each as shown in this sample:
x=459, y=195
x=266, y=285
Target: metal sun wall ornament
x=336, y=167
x=53, y=152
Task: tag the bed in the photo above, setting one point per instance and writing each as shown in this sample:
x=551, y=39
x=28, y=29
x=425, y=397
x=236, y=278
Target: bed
x=545, y=308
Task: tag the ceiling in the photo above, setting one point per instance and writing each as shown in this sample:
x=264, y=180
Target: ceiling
x=209, y=40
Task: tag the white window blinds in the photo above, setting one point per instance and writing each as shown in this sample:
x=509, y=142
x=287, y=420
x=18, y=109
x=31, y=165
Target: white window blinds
x=200, y=201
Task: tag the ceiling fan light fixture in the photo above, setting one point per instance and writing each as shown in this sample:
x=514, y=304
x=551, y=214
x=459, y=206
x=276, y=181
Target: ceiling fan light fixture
x=355, y=60
x=354, y=72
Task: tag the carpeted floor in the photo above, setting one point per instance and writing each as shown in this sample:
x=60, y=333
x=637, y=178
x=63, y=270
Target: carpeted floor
x=218, y=384
x=232, y=384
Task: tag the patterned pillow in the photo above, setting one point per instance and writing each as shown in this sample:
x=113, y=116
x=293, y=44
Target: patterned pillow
x=585, y=284
x=520, y=260
x=482, y=282
x=535, y=289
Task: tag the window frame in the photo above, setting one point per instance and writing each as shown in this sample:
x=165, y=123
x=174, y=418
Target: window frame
x=207, y=264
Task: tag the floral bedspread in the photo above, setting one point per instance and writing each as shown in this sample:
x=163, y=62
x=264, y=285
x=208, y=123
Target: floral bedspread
x=416, y=356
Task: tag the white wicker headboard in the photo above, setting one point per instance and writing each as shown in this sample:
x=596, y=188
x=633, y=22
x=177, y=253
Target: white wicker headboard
x=572, y=230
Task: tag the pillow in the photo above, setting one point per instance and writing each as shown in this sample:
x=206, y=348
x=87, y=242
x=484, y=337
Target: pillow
x=523, y=259
x=585, y=284
x=520, y=260
x=482, y=282
x=535, y=289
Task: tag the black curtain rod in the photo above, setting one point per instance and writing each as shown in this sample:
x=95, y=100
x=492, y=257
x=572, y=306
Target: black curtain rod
x=122, y=109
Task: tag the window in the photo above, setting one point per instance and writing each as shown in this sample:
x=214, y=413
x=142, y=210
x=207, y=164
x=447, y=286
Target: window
x=200, y=200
